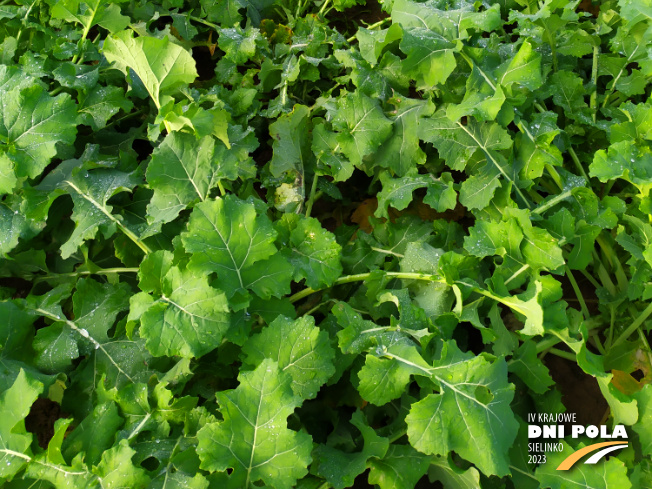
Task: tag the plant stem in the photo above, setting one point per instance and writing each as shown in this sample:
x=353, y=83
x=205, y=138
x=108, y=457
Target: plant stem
x=593, y=101
x=552, y=202
x=386, y=252
x=87, y=28
x=632, y=327
x=551, y=341
x=563, y=354
x=578, y=293
x=361, y=277
x=311, y=198
x=372, y=26
x=125, y=117
x=104, y=271
x=202, y=21
x=399, y=434
x=323, y=7
x=598, y=343
x=577, y=162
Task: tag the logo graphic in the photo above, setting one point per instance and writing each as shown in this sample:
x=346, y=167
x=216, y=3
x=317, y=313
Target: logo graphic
x=546, y=432
x=610, y=447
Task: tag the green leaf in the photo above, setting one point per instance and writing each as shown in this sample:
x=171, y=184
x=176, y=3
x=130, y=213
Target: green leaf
x=90, y=13
x=642, y=427
x=328, y=153
x=181, y=172
x=310, y=249
x=300, y=349
x=291, y=136
x=444, y=470
x=31, y=124
x=240, y=45
x=94, y=435
x=96, y=307
x=227, y=236
x=400, y=468
x=523, y=69
x=534, y=145
x=253, y=439
x=397, y=192
x=163, y=67
x=340, y=468
x=457, y=143
x=470, y=415
x=116, y=470
x=362, y=126
x=567, y=90
x=385, y=379
x=430, y=56
x=401, y=151
x=90, y=191
x=624, y=160
x=102, y=103
x=530, y=369
x=15, y=404
x=186, y=316
x=484, y=96
x=373, y=42
x=453, y=22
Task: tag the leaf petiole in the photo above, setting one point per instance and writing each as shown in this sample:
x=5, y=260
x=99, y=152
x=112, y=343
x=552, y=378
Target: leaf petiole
x=634, y=326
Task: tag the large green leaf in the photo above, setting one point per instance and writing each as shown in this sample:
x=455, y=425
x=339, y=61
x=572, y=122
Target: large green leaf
x=181, y=172
x=253, y=439
x=163, y=67
x=228, y=237
x=90, y=13
x=185, y=316
x=470, y=415
x=400, y=468
x=362, y=126
x=90, y=191
x=31, y=124
x=430, y=56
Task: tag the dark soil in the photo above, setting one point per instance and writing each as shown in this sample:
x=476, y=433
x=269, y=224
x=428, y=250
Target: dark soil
x=41, y=418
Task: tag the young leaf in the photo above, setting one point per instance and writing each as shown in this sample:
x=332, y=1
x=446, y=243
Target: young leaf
x=89, y=13
x=253, y=439
x=401, y=152
x=430, y=56
x=397, y=192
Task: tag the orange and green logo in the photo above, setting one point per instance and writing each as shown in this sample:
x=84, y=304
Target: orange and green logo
x=603, y=449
